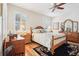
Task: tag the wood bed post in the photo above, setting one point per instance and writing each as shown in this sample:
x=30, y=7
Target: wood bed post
x=52, y=49
x=31, y=32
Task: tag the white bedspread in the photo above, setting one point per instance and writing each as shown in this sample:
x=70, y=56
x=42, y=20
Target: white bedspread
x=45, y=39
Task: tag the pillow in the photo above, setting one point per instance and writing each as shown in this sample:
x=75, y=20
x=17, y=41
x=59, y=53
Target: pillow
x=55, y=31
x=42, y=31
x=38, y=31
x=47, y=30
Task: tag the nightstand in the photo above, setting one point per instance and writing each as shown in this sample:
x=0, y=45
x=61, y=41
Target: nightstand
x=19, y=46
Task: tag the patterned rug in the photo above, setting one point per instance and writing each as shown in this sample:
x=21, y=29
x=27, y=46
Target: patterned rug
x=43, y=51
x=64, y=50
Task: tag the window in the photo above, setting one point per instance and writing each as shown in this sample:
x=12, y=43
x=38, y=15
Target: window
x=20, y=22
x=17, y=22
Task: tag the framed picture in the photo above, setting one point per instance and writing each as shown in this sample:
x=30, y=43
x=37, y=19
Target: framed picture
x=75, y=26
x=56, y=25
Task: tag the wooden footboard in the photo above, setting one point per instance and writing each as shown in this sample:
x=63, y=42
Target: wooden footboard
x=57, y=45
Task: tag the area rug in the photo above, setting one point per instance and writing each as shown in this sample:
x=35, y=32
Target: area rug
x=42, y=51
x=64, y=50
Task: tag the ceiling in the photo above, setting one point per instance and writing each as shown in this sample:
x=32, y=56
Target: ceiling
x=43, y=8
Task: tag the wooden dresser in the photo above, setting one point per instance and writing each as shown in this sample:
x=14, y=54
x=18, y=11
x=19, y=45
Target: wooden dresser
x=73, y=37
x=19, y=46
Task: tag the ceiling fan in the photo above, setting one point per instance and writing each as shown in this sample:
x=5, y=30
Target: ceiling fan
x=57, y=6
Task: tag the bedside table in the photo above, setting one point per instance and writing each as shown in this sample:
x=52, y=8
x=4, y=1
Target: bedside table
x=19, y=46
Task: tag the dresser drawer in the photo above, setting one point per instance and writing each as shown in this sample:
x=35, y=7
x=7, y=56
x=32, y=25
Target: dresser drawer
x=19, y=49
x=73, y=37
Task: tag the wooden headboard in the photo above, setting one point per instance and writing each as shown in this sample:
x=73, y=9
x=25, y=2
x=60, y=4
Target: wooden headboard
x=39, y=27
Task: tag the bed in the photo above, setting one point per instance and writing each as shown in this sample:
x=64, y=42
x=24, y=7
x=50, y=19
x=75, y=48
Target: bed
x=48, y=39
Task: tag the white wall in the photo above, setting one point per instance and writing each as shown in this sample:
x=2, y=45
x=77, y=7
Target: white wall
x=4, y=20
x=4, y=25
x=0, y=9
x=0, y=29
x=62, y=19
x=71, y=11
x=0, y=35
x=34, y=19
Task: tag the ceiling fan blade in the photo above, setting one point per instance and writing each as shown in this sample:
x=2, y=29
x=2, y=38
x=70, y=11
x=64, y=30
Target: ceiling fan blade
x=61, y=4
x=54, y=5
x=60, y=8
x=53, y=10
x=51, y=7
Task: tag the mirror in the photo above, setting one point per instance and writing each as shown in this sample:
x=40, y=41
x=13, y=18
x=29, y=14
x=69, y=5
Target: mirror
x=68, y=25
x=75, y=26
